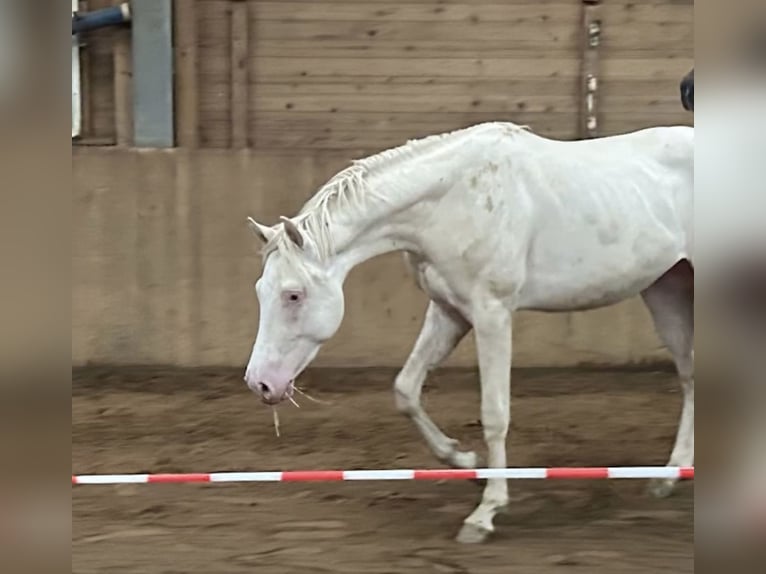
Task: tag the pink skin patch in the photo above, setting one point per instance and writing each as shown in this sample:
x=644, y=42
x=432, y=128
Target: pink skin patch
x=270, y=393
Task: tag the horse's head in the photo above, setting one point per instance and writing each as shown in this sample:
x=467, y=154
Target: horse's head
x=687, y=91
x=301, y=306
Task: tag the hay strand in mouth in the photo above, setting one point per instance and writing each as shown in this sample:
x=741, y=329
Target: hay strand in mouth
x=312, y=399
x=276, y=420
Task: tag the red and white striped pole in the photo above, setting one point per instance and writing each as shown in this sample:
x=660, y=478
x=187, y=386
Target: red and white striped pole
x=565, y=473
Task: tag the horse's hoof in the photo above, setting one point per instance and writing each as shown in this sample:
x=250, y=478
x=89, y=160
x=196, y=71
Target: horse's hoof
x=472, y=534
x=465, y=460
x=661, y=487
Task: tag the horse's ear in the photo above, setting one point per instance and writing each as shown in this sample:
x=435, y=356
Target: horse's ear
x=292, y=231
x=262, y=232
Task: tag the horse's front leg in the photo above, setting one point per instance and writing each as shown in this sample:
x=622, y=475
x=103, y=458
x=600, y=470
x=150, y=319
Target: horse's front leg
x=442, y=330
x=493, y=341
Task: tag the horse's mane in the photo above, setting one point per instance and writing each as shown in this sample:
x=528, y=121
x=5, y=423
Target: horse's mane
x=349, y=189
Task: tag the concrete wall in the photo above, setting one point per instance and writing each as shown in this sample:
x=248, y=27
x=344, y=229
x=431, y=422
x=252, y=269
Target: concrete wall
x=163, y=267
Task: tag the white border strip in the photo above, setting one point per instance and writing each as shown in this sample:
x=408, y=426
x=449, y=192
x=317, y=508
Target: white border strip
x=644, y=472
x=511, y=473
x=378, y=474
x=112, y=478
x=245, y=476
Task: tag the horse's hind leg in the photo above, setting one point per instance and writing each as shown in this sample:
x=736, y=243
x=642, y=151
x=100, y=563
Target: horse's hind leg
x=442, y=330
x=671, y=303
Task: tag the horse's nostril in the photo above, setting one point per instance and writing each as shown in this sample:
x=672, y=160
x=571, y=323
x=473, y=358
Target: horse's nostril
x=264, y=389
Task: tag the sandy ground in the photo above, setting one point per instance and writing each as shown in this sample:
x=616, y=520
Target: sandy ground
x=186, y=421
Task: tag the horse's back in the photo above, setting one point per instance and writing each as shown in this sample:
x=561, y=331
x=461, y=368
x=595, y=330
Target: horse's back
x=609, y=215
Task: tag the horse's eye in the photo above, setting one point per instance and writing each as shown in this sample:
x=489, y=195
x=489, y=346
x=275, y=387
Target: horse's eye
x=292, y=296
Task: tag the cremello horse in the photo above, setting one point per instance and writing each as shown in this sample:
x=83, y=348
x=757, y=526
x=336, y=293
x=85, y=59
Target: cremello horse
x=492, y=219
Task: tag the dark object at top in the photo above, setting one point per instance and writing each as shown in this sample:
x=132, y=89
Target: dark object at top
x=112, y=16
x=687, y=91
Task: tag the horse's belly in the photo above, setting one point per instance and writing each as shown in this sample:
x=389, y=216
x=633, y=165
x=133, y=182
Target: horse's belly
x=552, y=298
x=584, y=286
x=593, y=254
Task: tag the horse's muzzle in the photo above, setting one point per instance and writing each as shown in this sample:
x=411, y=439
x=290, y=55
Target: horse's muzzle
x=270, y=393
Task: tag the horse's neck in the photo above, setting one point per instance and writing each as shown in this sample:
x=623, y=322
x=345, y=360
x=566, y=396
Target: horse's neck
x=390, y=222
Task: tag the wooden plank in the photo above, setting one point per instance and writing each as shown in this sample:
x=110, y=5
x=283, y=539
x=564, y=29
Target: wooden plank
x=368, y=133
x=615, y=123
x=123, y=87
x=286, y=137
x=186, y=80
x=497, y=103
x=564, y=35
x=341, y=49
x=336, y=139
x=239, y=74
x=648, y=36
x=95, y=141
x=619, y=13
x=349, y=131
x=414, y=11
x=100, y=83
x=213, y=32
x=433, y=122
x=455, y=87
x=417, y=84
x=664, y=46
x=349, y=103
x=299, y=68
x=283, y=70
x=513, y=12
x=558, y=33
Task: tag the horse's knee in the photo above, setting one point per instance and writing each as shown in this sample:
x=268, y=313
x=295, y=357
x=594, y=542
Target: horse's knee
x=405, y=405
x=495, y=426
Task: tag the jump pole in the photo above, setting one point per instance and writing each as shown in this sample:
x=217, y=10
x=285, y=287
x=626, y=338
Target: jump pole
x=561, y=473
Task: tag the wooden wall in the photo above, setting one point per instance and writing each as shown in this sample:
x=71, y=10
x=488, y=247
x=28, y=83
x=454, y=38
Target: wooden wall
x=362, y=75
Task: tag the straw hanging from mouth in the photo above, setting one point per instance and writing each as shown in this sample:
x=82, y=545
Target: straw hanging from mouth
x=309, y=397
x=276, y=420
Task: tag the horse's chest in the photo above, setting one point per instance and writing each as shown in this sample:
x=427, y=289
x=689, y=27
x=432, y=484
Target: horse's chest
x=435, y=283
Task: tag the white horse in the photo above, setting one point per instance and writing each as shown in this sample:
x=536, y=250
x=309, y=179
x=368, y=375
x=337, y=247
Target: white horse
x=492, y=218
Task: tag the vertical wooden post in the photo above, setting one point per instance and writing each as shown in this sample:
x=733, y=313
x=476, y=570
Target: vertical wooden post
x=187, y=74
x=589, y=76
x=123, y=89
x=239, y=76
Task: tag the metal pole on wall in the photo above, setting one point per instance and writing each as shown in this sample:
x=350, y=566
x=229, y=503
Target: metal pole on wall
x=153, y=121
x=76, y=83
x=589, y=77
